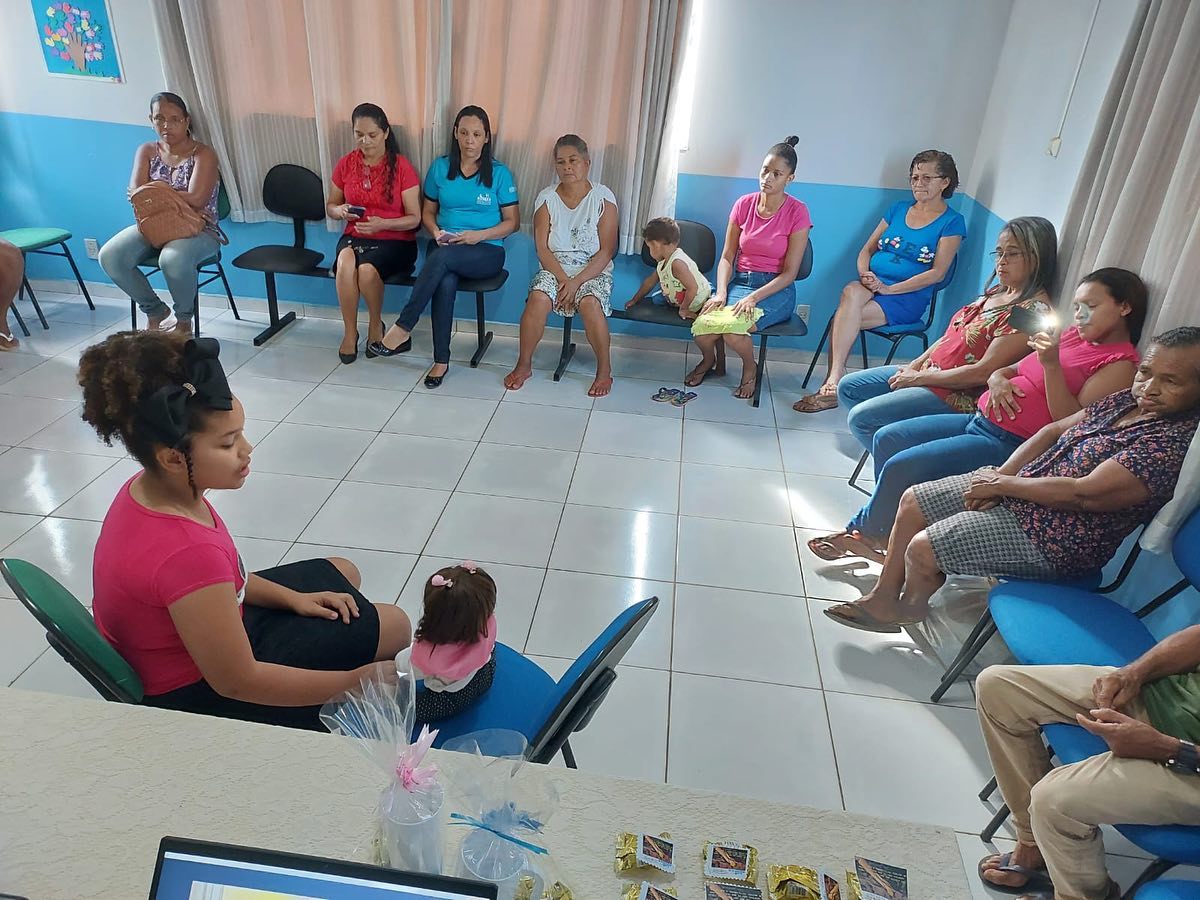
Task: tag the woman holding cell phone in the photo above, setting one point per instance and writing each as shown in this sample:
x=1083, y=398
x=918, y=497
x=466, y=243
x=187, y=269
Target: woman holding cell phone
x=376, y=191
x=470, y=207
x=1069, y=369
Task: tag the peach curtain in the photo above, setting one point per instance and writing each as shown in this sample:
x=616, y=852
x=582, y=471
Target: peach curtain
x=275, y=80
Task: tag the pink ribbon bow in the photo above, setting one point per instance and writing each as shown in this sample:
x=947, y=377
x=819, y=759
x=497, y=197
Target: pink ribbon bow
x=413, y=776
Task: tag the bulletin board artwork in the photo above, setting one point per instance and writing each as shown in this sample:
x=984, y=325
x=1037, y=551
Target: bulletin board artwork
x=77, y=39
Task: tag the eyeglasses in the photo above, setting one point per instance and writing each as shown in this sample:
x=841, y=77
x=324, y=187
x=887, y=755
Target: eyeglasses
x=923, y=179
x=998, y=255
x=173, y=121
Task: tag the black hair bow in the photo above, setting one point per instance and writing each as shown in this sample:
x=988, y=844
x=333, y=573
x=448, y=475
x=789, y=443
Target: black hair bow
x=165, y=412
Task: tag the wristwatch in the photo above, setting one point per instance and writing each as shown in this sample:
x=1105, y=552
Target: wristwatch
x=1186, y=760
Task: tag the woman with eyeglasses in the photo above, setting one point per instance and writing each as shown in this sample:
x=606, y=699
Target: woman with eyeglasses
x=907, y=255
x=1069, y=370
x=189, y=167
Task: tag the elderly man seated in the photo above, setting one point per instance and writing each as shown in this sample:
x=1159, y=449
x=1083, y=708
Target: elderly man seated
x=1058, y=508
x=1148, y=713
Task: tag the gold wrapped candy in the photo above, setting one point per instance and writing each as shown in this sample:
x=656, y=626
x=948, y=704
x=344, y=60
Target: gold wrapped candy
x=627, y=854
x=558, y=891
x=525, y=886
x=853, y=888
x=792, y=883
x=653, y=892
x=731, y=862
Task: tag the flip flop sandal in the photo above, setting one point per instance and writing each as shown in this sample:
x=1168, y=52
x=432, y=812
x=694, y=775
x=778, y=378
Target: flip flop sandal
x=681, y=398
x=826, y=549
x=853, y=546
x=745, y=390
x=697, y=380
x=665, y=395
x=813, y=403
x=859, y=619
x=8, y=342
x=1036, y=880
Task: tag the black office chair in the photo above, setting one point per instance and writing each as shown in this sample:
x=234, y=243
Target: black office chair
x=297, y=193
x=211, y=267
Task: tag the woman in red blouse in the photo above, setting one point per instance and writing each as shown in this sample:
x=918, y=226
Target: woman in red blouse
x=377, y=193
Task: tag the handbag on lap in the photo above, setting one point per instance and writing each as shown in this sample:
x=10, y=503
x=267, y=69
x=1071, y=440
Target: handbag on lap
x=163, y=216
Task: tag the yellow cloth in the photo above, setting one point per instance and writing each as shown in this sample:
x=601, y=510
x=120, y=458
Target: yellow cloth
x=723, y=321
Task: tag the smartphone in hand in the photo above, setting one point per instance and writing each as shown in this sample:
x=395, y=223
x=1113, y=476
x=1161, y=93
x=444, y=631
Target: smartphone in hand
x=358, y=211
x=447, y=237
x=1029, y=322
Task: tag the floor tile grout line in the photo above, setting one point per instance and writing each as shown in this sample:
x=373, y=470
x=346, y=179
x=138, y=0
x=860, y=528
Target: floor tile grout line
x=45, y=650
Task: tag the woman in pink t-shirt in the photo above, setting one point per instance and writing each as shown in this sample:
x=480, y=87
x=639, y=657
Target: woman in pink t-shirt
x=764, y=246
x=170, y=591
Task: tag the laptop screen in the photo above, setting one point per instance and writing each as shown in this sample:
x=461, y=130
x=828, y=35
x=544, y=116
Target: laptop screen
x=196, y=870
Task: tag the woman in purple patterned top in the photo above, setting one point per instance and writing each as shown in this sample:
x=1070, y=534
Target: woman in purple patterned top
x=190, y=167
x=1059, y=507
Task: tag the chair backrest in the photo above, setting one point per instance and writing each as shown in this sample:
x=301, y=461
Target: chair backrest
x=296, y=193
x=1186, y=548
x=223, y=207
x=937, y=289
x=71, y=630
x=697, y=241
x=584, y=686
x=806, y=263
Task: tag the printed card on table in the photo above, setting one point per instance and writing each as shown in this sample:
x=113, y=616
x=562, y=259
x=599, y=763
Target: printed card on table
x=880, y=881
x=714, y=891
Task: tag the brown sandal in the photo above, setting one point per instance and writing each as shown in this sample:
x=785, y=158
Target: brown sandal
x=841, y=544
x=745, y=390
x=818, y=402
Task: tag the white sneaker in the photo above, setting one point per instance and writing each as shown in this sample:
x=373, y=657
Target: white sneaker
x=169, y=323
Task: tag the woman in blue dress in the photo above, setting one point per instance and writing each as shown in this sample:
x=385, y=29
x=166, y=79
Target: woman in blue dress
x=907, y=255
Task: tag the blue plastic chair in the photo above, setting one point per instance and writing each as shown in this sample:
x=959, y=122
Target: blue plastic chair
x=1170, y=890
x=1045, y=624
x=524, y=698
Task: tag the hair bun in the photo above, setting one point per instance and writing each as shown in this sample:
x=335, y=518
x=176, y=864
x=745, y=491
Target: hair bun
x=791, y=140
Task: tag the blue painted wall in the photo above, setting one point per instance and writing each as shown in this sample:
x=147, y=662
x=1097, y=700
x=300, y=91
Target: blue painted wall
x=73, y=173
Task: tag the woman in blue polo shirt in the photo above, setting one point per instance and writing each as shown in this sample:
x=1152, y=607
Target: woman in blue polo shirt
x=470, y=207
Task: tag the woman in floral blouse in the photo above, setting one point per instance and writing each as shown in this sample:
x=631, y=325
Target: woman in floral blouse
x=951, y=374
x=1059, y=507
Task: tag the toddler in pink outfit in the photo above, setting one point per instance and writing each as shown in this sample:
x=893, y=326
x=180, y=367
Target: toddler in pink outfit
x=454, y=647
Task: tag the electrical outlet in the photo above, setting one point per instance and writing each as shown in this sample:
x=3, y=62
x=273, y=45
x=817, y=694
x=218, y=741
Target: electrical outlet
x=802, y=312
x=1053, y=147
x=92, y=248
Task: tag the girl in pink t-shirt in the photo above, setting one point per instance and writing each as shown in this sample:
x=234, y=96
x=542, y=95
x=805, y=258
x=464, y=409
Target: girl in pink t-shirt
x=170, y=591
x=454, y=648
x=764, y=246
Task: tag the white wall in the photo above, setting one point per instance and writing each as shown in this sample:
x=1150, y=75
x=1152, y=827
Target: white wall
x=26, y=87
x=1012, y=175
x=865, y=84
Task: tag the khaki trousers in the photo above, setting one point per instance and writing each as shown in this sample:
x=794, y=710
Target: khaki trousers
x=1060, y=809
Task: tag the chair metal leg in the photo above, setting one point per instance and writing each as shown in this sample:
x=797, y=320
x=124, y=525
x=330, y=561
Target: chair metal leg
x=993, y=826
x=980, y=635
x=20, y=321
x=862, y=343
x=988, y=789
x=892, y=353
x=761, y=371
x=862, y=461
x=228, y=292
x=485, y=336
x=278, y=322
x=1154, y=871
x=719, y=349
x=27, y=288
x=568, y=349
x=78, y=277
x=196, y=316
x=817, y=353
x=132, y=315
x=569, y=756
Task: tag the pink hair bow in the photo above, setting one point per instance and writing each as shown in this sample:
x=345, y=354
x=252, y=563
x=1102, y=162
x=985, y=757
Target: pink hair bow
x=470, y=565
x=439, y=581
x=414, y=776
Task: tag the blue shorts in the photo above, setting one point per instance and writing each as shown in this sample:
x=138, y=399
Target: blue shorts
x=904, y=309
x=777, y=308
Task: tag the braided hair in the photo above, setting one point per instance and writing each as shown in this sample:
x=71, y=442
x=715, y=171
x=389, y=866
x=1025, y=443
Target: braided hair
x=390, y=144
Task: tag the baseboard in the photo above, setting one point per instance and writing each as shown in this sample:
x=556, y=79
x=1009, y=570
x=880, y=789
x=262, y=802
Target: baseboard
x=258, y=306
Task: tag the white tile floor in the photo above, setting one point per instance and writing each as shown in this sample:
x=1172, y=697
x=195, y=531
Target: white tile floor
x=578, y=508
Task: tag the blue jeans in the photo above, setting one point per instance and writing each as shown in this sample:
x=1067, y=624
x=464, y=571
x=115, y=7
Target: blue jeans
x=438, y=281
x=777, y=308
x=925, y=449
x=872, y=404
x=178, y=260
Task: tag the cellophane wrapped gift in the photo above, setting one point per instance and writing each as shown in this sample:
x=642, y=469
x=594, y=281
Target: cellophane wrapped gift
x=411, y=827
x=954, y=609
x=503, y=803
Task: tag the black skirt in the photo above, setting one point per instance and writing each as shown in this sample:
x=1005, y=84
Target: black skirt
x=284, y=638
x=389, y=257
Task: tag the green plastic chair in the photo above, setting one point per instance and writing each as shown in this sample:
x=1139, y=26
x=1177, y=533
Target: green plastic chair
x=72, y=632
x=39, y=240
x=211, y=267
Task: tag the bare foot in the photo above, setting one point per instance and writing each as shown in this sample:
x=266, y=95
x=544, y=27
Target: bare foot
x=516, y=379
x=8, y=341
x=349, y=343
x=601, y=386
x=696, y=377
x=745, y=390
x=183, y=327
x=1024, y=856
x=164, y=322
